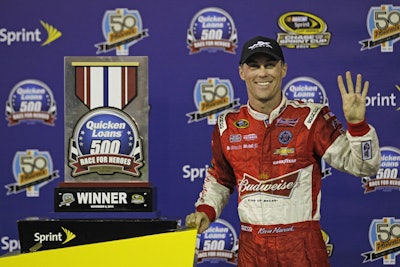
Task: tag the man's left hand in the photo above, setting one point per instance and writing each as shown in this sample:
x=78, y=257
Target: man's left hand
x=354, y=99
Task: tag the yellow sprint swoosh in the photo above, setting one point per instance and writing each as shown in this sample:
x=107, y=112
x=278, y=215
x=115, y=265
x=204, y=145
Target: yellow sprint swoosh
x=52, y=33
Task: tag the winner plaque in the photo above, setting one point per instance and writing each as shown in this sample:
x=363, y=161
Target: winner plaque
x=106, y=135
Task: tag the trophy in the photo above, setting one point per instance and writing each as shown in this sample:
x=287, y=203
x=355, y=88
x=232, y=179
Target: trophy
x=106, y=136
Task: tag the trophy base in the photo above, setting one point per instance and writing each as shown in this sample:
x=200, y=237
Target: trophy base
x=104, y=197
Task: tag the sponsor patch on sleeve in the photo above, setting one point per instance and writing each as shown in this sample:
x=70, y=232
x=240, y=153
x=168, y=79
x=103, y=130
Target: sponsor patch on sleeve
x=366, y=150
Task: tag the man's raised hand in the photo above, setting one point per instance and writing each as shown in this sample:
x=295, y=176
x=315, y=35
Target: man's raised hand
x=353, y=99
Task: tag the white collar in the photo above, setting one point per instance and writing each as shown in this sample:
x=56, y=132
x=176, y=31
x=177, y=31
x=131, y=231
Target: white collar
x=274, y=114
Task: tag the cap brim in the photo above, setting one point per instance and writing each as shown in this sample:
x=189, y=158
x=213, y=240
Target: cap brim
x=260, y=52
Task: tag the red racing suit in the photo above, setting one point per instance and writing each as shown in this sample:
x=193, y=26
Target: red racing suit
x=274, y=162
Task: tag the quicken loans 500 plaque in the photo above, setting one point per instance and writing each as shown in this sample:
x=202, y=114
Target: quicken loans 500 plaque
x=106, y=135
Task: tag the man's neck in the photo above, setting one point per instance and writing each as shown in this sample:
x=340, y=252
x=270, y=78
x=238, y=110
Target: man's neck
x=265, y=107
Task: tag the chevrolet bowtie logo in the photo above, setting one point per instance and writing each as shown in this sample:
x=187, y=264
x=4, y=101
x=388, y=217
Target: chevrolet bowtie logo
x=284, y=151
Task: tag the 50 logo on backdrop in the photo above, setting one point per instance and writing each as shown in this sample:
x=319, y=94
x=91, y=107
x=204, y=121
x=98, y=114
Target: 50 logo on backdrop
x=383, y=27
x=384, y=238
x=122, y=28
x=211, y=97
x=32, y=169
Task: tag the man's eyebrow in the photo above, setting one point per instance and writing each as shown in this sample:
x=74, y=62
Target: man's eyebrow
x=271, y=61
x=251, y=61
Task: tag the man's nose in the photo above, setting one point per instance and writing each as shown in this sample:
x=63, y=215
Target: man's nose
x=263, y=71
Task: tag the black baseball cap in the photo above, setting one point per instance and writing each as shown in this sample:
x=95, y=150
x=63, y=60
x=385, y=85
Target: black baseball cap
x=263, y=45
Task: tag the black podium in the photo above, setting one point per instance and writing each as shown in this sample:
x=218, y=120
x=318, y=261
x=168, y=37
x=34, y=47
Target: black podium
x=43, y=234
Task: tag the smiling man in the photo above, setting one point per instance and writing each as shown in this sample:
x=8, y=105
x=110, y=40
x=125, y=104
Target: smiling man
x=270, y=150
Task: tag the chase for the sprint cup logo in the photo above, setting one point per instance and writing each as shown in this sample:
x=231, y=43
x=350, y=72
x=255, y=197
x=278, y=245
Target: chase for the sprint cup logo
x=31, y=101
x=302, y=30
x=212, y=29
x=105, y=141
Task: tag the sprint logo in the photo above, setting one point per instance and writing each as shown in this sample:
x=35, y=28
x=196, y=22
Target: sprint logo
x=9, y=37
x=59, y=237
x=55, y=237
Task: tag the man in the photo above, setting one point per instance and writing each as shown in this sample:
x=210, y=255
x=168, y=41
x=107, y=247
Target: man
x=271, y=151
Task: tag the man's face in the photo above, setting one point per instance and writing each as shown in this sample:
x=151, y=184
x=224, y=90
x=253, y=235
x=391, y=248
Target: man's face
x=263, y=77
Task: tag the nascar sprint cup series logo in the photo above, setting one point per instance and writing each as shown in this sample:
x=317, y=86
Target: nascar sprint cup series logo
x=105, y=141
x=31, y=101
x=212, y=29
x=121, y=29
x=211, y=97
x=383, y=25
x=303, y=30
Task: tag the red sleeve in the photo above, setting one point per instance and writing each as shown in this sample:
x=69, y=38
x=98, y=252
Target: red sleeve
x=208, y=210
x=358, y=129
x=220, y=168
x=325, y=131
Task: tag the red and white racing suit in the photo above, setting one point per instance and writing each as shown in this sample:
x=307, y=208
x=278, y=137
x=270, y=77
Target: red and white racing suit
x=275, y=164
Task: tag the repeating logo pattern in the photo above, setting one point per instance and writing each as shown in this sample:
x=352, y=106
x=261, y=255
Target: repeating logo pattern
x=13, y=37
x=387, y=179
x=212, y=96
x=31, y=101
x=384, y=238
x=212, y=29
x=32, y=170
x=122, y=28
x=305, y=89
x=303, y=30
x=218, y=243
x=383, y=24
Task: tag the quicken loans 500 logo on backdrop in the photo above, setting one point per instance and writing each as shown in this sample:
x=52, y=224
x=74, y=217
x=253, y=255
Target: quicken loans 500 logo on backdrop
x=31, y=101
x=212, y=29
x=218, y=243
x=387, y=179
x=105, y=141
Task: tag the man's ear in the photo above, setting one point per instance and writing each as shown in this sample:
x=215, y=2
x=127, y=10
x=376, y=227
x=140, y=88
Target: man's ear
x=241, y=74
x=284, y=69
